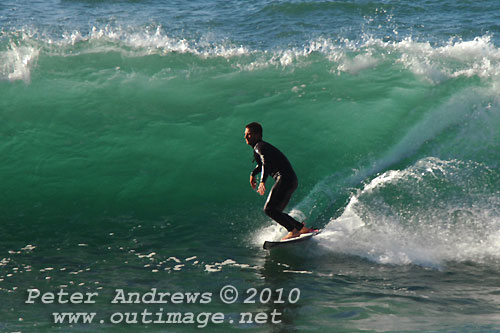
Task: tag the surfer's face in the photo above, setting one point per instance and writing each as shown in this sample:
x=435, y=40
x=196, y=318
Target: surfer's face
x=251, y=138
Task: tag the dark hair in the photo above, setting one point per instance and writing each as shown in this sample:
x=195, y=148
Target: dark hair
x=255, y=128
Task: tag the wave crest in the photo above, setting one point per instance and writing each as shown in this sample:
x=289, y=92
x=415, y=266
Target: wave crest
x=479, y=57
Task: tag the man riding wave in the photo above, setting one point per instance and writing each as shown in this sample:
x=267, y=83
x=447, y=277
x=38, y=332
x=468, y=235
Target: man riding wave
x=271, y=161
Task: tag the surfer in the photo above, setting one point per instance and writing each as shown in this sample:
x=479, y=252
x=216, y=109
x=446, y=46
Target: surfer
x=270, y=161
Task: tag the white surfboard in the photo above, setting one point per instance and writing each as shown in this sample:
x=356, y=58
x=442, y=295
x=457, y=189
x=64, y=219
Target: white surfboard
x=270, y=244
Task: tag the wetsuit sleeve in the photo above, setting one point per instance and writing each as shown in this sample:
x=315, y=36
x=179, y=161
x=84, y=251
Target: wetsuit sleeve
x=258, y=167
x=261, y=164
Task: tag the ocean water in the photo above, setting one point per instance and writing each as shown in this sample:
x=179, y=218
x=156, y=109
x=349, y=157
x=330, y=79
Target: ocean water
x=125, y=168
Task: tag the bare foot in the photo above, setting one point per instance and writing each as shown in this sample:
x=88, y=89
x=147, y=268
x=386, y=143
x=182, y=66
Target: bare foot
x=305, y=230
x=292, y=234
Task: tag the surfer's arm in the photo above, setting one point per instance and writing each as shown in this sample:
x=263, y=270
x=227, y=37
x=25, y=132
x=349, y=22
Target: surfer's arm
x=262, y=187
x=255, y=171
x=261, y=166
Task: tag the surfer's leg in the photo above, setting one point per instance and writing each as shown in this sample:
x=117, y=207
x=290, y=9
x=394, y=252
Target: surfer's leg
x=276, y=202
x=299, y=228
x=287, y=195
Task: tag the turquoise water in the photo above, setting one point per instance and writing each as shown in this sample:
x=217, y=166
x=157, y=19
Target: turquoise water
x=125, y=165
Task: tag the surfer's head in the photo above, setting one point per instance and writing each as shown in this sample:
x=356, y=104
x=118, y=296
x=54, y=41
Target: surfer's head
x=253, y=133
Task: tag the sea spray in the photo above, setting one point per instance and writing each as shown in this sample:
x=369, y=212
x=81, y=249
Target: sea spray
x=430, y=213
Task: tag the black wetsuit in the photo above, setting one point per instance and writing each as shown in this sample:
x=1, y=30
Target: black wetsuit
x=270, y=161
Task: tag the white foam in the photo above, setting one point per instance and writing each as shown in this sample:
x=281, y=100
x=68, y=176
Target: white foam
x=296, y=272
x=218, y=266
x=268, y=233
x=457, y=58
x=16, y=62
x=134, y=42
x=478, y=57
x=274, y=231
x=174, y=259
x=359, y=63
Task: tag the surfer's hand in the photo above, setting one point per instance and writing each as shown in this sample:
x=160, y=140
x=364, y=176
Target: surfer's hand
x=262, y=189
x=253, y=182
